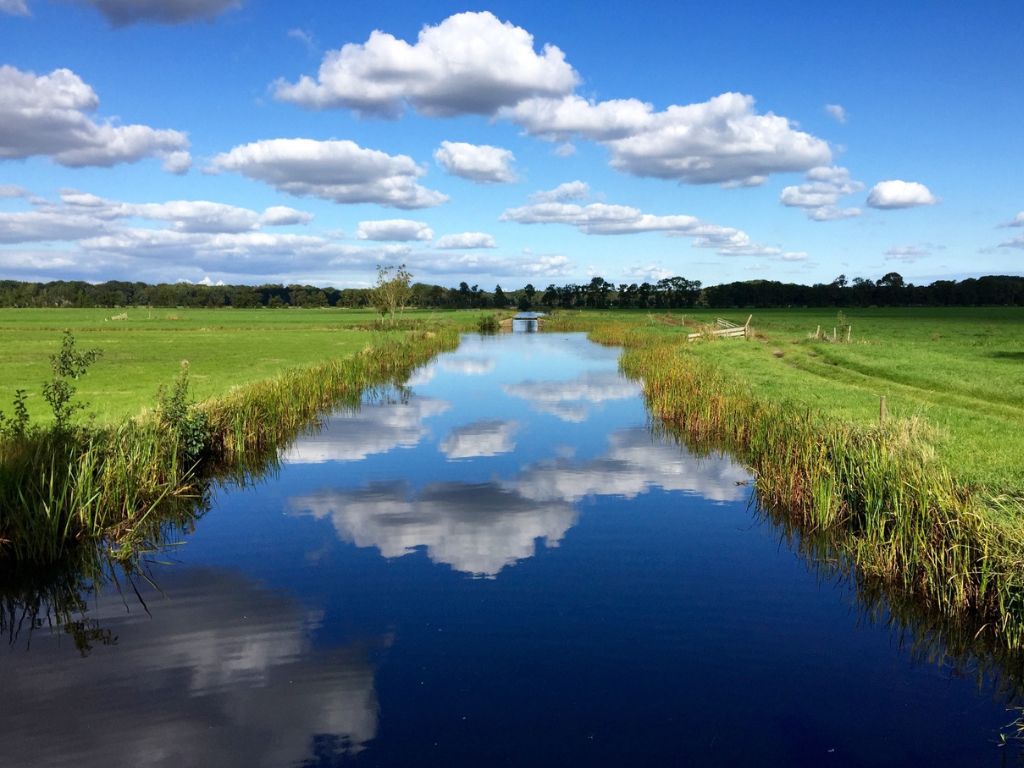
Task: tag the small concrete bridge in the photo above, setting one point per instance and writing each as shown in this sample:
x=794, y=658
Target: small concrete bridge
x=527, y=322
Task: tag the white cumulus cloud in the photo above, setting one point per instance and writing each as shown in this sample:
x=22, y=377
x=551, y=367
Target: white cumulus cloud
x=400, y=230
x=570, y=190
x=470, y=63
x=50, y=115
x=897, y=193
x=476, y=162
x=465, y=241
x=340, y=171
x=820, y=193
x=722, y=140
x=607, y=219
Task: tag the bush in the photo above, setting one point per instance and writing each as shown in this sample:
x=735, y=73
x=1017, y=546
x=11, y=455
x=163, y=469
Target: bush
x=189, y=425
x=488, y=324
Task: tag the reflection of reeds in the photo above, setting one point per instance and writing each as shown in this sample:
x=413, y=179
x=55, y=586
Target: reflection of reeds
x=877, y=491
x=106, y=482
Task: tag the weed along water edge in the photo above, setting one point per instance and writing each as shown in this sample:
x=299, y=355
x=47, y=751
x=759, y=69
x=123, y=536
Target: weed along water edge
x=502, y=555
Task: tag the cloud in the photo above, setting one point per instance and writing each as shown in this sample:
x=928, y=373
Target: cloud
x=722, y=140
x=606, y=219
x=572, y=115
x=400, y=230
x=304, y=37
x=14, y=7
x=477, y=162
x=465, y=241
x=44, y=226
x=121, y=13
x=906, y=253
x=185, y=215
x=820, y=193
x=648, y=273
x=282, y=215
x=470, y=63
x=480, y=439
x=209, y=647
x=48, y=115
x=565, y=149
x=570, y=190
x=900, y=194
x=12, y=190
x=459, y=266
x=339, y=171
x=837, y=111
x=1017, y=242
x=1016, y=221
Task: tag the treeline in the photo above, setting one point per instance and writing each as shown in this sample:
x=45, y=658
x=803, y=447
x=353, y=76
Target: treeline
x=670, y=293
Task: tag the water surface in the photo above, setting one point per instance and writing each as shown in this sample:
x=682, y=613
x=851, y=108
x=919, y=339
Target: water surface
x=499, y=564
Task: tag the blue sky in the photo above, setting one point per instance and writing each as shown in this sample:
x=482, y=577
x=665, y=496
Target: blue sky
x=249, y=141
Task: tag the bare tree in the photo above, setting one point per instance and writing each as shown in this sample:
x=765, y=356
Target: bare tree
x=393, y=289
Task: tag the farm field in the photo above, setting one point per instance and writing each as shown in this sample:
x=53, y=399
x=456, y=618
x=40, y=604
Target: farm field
x=224, y=348
x=959, y=369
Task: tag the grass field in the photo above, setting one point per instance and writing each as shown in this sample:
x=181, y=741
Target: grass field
x=960, y=369
x=224, y=347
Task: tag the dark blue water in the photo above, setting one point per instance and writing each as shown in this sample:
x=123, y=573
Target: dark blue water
x=500, y=565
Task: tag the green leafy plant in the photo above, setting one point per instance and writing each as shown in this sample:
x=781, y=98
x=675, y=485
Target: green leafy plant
x=16, y=426
x=68, y=365
x=189, y=425
x=488, y=324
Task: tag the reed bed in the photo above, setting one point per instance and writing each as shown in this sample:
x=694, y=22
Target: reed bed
x=877, y=493
x=114, y=483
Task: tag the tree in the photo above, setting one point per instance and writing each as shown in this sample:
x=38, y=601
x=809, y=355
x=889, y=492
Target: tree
x=391, y=293
x=500, y=301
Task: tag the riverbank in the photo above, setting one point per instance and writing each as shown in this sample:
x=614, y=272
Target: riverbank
x=884, y=494
x=112, y=482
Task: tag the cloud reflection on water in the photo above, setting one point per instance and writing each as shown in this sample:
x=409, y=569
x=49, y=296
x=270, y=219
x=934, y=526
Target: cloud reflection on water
x=481, y=528
x=635, y=462
x=568, y=399
x=222, y=673
x=375, y=428
x=479, y=439
x=475, y=528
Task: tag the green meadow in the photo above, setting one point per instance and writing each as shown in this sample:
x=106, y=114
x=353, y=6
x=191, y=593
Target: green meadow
x=960, y=370
x=143, y=349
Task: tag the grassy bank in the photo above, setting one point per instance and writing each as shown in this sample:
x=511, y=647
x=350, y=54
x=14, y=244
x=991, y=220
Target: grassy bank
x=893, y=497
x=108, y=481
